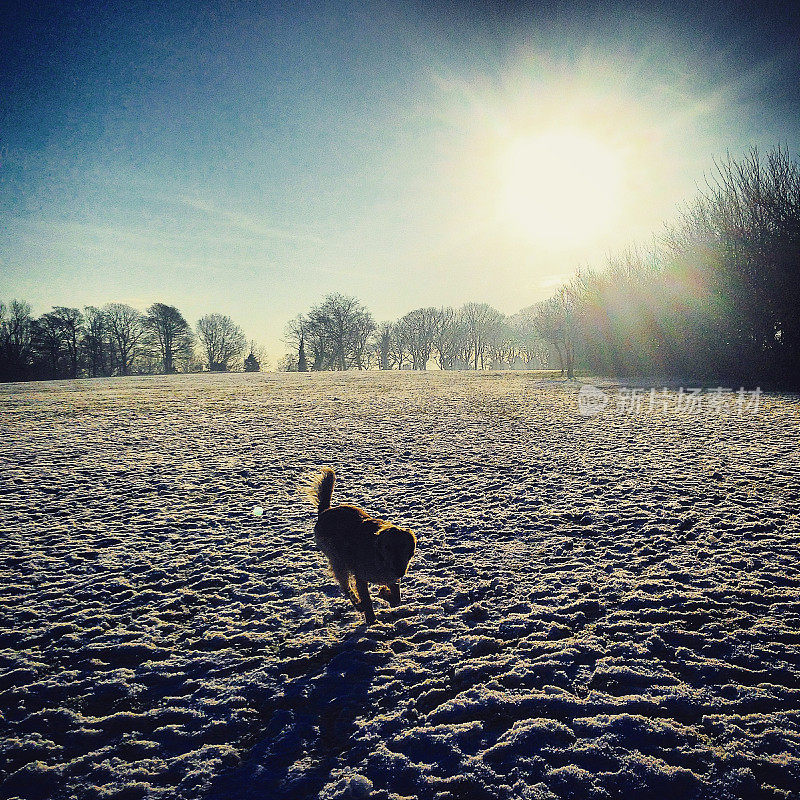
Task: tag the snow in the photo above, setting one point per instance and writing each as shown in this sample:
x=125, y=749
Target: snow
x=600, y=607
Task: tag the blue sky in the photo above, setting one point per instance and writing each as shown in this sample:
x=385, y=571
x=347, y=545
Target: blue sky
x=250, y=159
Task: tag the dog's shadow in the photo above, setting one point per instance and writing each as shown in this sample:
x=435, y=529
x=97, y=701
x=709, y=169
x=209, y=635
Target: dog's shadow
x=309, y=722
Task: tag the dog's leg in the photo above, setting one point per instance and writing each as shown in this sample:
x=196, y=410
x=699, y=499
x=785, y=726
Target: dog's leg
x=343, y=579
x=391, y=594
x=394, y=595
x=366, y=601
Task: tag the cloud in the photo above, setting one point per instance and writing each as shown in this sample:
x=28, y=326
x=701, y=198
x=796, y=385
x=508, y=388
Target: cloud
x=247, y=223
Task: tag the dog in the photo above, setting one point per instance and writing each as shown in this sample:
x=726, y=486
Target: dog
x=360, y=549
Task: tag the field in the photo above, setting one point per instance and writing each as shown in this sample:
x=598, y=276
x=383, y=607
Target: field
x=600, y=607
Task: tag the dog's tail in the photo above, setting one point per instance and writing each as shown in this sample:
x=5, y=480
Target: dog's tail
x=319, y=488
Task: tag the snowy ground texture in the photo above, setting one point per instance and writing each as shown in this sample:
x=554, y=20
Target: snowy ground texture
x=600, y=607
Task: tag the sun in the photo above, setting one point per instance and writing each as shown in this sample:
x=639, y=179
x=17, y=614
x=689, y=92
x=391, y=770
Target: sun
x=561, y=187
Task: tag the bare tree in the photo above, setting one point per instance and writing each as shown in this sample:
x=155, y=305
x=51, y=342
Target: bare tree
x=96, y=345
x=222, y=341
x=383, y=345
x=553, y=319
x=339, y=331
x=418, y=329
x=566, y=302
x=251, y=363
x=47, y=342
x=363, y=335
x=287, y=363
x=73, y=326
x=295, y=336
x=750, y=214
x=399, y=346
x=128, y=329
x=172, y=336
x=482, y=323
x=531, y=348
x=16, y=331
x=57, y=336
x=449, y=340
x=261, y=354
x=504, y=346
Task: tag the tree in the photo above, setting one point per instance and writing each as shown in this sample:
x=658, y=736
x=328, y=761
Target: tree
x=172, y=336
x=531, y=348
x=339, y=331
x=363, y=334
x=566, y=308
x=504, y=346
x=256, y=359
x=95, y=346
x=553, y=321
x=56, y=338
x=127, y=329
x=302, y=362
x=482, y=324
x=715, y=298
x=383, y=345
x=295, y=336
x=418, y=331
x=222, y=341
x=46, y=338
x=748, y=217
x=287, y=363
x=251, y=363
x=450, y=337
x=398, y=345
x=71, y=324
x=16, y=331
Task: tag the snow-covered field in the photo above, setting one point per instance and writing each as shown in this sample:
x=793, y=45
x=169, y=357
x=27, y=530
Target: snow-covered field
x=600, y=607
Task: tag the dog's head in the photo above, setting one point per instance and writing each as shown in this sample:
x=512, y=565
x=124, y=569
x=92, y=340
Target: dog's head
x=396, y=547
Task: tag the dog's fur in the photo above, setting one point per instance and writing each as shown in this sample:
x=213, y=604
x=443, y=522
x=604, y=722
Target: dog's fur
x=359, y=547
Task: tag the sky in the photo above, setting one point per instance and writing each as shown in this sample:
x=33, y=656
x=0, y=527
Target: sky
x=249, y=158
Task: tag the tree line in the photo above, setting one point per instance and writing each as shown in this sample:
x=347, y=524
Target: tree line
x=716, y=298
x=341, y=333
x=117, y=340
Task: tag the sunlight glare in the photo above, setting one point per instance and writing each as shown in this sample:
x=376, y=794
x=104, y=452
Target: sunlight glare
x=561, y=187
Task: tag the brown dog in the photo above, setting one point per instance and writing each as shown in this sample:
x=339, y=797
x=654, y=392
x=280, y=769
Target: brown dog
x=359, y=547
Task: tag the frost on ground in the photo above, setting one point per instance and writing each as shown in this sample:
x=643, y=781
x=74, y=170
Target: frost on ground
x=600, y=607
